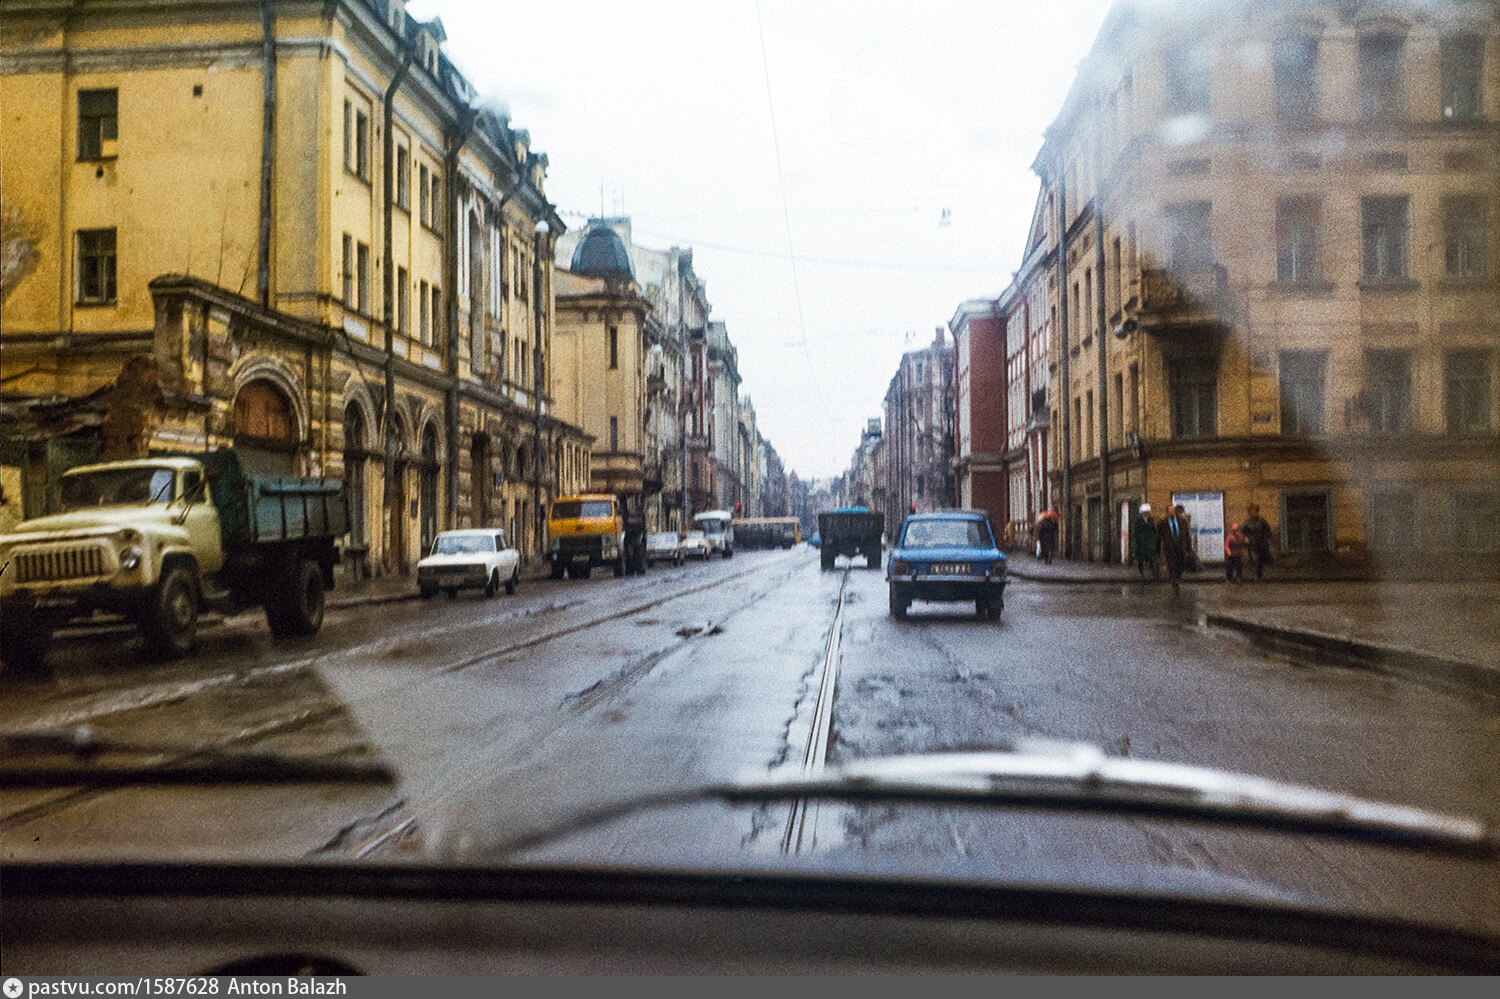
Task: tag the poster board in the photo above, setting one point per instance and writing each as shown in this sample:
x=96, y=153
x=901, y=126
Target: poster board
x=1206, y=518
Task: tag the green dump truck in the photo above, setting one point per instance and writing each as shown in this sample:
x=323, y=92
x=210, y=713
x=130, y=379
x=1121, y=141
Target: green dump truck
x=160, y=539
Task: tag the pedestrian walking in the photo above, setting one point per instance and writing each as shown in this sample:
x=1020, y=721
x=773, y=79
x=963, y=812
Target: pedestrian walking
x=1257, y=539
x=1143, y=542
x=1175, y=542
x=1235, y=547
x=1047, y=527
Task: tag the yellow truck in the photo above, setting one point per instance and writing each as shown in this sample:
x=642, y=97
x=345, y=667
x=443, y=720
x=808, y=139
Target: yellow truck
x=585, y=531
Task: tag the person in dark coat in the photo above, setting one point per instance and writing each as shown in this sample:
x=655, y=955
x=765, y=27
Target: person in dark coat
x=1046, y=533
x=1175, y=541
x=1257, y=538
x=1143, y=542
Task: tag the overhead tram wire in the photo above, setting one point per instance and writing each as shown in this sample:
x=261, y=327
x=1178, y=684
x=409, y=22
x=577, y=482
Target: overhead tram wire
x=786, y=215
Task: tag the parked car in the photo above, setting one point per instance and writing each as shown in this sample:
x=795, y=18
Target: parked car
x=664, y=547
x=478, y=558
x=948, y=555
x=695, y=544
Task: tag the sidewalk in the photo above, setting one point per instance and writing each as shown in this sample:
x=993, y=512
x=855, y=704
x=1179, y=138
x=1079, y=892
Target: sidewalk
x=1448, y=630
x=350, y=592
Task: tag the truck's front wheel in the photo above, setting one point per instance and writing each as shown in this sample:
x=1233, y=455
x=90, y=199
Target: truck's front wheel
x=24, y=637
x=298, y=608
x=170, y=618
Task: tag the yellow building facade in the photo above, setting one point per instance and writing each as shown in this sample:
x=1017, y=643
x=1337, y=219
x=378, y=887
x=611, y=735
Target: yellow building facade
x=1272, y=277
x=335, y=256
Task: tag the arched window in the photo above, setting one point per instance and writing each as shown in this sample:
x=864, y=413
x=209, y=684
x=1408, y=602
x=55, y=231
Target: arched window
x=265, y=429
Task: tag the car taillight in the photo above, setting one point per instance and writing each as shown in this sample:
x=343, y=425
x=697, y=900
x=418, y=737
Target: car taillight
x=901, y=568
x=998, y=568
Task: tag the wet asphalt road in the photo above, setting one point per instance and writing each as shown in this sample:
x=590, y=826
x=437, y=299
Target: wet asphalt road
x=503, y=716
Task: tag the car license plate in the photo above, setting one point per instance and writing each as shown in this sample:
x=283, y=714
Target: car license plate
x=949, y=569
x=580, y=558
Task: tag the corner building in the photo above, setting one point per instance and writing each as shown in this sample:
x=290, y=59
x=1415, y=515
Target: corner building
x=321, y=242
x=1272, y=233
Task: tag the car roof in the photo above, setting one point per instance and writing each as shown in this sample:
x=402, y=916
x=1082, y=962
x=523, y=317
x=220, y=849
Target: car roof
x=950, y=515
x=471, y=530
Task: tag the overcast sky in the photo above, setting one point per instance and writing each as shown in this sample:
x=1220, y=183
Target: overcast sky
x=846, y=173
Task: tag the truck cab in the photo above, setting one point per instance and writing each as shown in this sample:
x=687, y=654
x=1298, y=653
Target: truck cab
x=583, y=532
x=718, y=527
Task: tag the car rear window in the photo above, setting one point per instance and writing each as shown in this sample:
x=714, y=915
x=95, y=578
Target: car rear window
x=947, y=534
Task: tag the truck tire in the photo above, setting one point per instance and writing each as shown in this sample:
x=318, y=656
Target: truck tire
x=24, y=637
x=557, y=570
x=729, y=552
x=873, y=558
x=619, y=566
x=170, y=618
x=492, y=587
x=899, y=603
x=298, y=608
x=828, y=558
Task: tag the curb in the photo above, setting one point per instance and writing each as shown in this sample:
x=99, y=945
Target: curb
x=1392, y=658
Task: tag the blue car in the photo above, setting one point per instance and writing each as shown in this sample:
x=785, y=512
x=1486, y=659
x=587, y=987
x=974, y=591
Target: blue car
x=947, y=556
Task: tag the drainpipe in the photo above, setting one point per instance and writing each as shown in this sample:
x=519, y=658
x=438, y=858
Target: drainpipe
x=267, y=150
x=1066, y=426
x=1106, y=514
x=455, y=142
x=539, y=251
x=388, y=283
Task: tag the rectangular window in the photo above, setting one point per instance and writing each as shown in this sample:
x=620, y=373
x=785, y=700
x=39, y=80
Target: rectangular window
x=1474, y=520
x=362, y=271
x=348, y=274
x=1189, y=72
x=614, y=433
x=1463, y=69
x=1297, y=240
x=424, y=195
x=1385, y=238
x=403, y=178
x=438, y=322
x=437, y=203
x=1194, y=383
x=1306, y=522
x=1380, y=80
x=523, y=282
x=1296, y=78
x=1466, y=383
x=98, y=123
x=1388, y=391
x=1302, y=387
x=1392, y=522
x=403, y=301
x=1190, y=235
x=614, y=348
x=1464, y=249
x=424, y=319
x=96, y=266
x=362, y=145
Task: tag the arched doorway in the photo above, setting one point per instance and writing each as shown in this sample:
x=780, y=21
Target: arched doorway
x=396, y=555
x=481, y=482
x=356, y=486
x=265, y=429
x=428, y=503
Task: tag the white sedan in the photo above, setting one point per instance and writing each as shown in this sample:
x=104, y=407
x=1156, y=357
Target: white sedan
x=696, y=545
x=479, y=558
x=664, y=547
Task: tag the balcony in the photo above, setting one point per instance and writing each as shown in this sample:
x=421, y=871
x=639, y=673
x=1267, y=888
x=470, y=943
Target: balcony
x=1184, y=295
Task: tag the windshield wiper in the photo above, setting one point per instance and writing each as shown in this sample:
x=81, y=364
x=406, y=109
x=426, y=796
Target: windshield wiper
x=77, y=756
x=1078, y=777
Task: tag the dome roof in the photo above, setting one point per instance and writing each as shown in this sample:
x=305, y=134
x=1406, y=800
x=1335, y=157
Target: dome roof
x=601, y=253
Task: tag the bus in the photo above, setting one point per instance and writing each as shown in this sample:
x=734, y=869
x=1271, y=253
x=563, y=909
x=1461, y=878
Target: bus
x=718, y=527
x=767, y=532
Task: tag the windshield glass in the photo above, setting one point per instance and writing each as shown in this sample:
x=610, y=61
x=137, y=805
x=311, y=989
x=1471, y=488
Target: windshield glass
x=463, y=544
x=124, y=486
x=752, y=332
x=579, y=509
x=946, y=534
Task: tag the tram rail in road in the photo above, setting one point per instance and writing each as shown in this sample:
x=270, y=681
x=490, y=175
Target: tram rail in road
x=801, y=830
